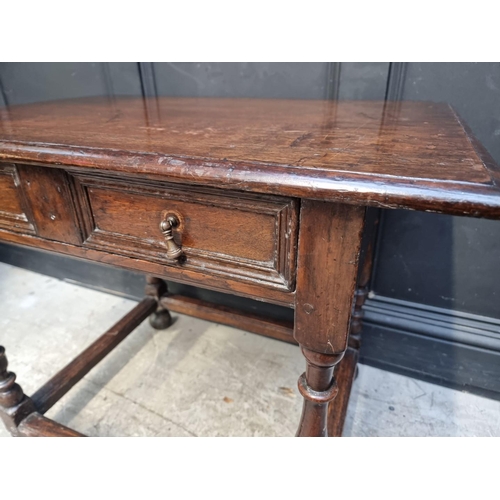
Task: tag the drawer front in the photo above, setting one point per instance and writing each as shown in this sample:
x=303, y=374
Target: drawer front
x=236, y=236
x=50, y=200
x=13, y=207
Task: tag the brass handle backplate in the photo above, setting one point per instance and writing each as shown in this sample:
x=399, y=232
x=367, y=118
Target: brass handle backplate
x=174, y=251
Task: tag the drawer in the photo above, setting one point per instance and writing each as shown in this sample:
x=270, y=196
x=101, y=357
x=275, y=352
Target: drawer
x=13, y=206
x=231, y=235
x=38, y=201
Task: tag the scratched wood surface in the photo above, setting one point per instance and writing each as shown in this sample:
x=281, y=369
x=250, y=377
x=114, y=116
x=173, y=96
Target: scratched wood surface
x=329, y=245
x=415, y=155
x=13, y=208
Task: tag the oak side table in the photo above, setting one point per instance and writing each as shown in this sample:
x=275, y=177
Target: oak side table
x=259, y=198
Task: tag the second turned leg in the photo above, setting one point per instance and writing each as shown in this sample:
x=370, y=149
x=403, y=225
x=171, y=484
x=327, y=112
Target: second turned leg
x=347, y=370
x=161, y=318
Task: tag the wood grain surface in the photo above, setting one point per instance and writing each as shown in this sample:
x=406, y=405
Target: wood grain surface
x=236, y=236
x=13, y=205
x=329, y=245
x=409, y=155
x=53, y=390
x=174, y=273
x=36, y=425
x=276, y=329
x=48, y=194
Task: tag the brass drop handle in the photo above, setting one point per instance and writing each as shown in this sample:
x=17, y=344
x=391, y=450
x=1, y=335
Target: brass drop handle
x=173, y=250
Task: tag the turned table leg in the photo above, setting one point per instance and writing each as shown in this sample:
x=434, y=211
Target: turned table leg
x=157, y=288
x=23, y=416
x=318, y=387
x=14, y=404
x=328, y=254
x=347, y=369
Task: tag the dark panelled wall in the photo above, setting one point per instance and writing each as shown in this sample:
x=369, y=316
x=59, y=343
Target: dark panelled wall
x=434, y=308
x=450, y=262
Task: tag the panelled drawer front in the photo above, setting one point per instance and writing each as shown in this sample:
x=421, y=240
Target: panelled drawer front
x=238, y=236
x=13, y=206
x=50, y=200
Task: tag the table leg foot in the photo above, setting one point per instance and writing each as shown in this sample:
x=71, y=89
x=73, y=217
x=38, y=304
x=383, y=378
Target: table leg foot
x=318, y=388
x=160, y=319
x=14, y=404
x=157, y=288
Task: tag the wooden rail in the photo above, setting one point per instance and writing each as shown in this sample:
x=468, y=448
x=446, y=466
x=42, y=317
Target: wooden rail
x=72, y=373
x=280, y=330
x=36, y=425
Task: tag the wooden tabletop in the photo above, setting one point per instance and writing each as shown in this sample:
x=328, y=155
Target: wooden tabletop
x=416, y=155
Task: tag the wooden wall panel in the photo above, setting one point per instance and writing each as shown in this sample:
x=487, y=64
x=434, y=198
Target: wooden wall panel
x=32, y=82
x=445, y=261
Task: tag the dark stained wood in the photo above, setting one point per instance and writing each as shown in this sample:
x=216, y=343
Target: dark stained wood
x=51, y=203
x=181, y=275
x=318, y=388
x=14, y=404
x=346, y=370
x=314, y=134
x=65, y=379
x=370, y=235
x=488, y=161
x=13, y=210
x=235, y=236
x=36, y=425
x=399, y=155
x=344, y=375
x=279, y=330
x=156, y=288
x=11, y=203
x=329, y=244
x=94, y=178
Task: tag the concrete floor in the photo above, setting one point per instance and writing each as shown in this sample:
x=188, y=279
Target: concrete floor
x=199, y=378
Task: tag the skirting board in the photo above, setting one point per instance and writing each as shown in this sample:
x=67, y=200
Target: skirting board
x=449, y=348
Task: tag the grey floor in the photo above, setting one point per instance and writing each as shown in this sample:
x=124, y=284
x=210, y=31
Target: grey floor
x=199, y=378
